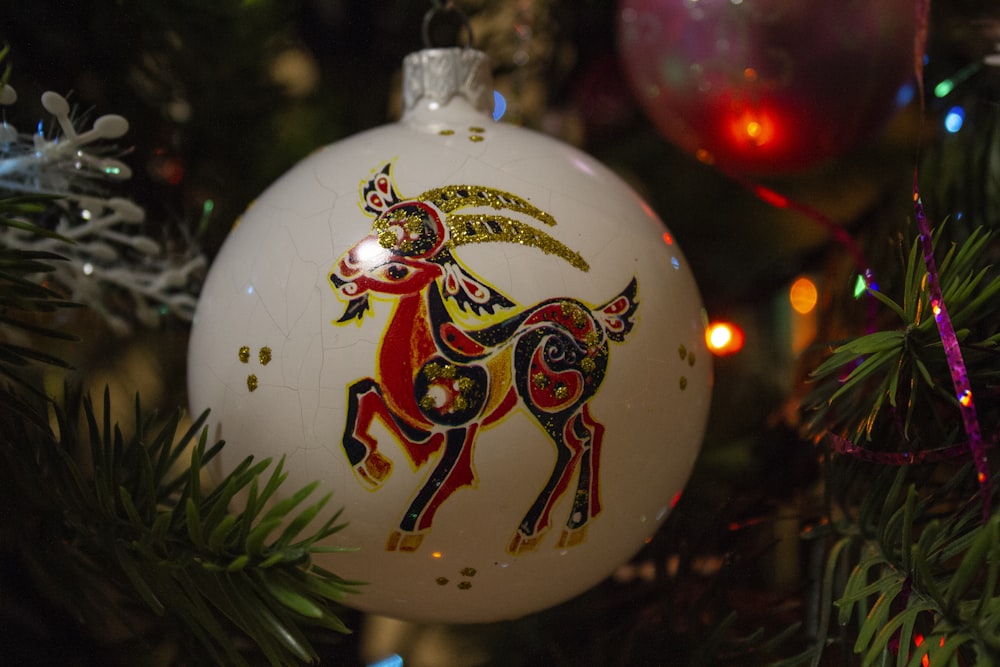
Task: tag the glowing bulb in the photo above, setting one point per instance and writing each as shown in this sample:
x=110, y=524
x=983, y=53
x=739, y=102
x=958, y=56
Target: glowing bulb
x=724, y=338
x=436, y=554
x=753, y=127
x=954, y=119
x=966, y=398
x=803, y=295
x=860, y=286
x=943, y=88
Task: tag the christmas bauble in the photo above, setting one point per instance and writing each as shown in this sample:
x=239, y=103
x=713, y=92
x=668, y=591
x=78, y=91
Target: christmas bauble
x=479, y=338
x=768, y=86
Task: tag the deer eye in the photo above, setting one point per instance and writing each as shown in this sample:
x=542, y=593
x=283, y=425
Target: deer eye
x=396, y=271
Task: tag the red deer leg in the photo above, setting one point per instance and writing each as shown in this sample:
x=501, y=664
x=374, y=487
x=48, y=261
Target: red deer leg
x=569, y=450
x=364, y=404
x=452, y=472
x=587, y=503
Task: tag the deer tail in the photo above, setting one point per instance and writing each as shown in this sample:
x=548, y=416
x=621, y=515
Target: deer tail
x=618, y=315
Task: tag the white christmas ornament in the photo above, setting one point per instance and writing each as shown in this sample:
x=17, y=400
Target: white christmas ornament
x=479, y=338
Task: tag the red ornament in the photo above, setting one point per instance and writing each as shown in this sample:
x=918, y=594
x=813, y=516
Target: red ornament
x=769, y=86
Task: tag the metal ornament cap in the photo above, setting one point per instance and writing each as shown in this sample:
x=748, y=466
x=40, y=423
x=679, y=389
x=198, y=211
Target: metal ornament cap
x=433, y=78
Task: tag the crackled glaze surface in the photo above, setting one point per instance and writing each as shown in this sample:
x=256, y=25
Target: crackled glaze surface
x=480, y=339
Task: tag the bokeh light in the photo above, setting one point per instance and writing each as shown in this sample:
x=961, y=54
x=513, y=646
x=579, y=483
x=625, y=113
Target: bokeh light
x=724, y=338
x=803, y=295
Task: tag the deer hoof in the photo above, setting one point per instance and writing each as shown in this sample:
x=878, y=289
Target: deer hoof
x=374, y=469
x=399, y=541
x=570, y=538
x=521, y=543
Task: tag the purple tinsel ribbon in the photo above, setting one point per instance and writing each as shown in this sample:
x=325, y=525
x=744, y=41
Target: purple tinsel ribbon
x=841, y=445
x=956, y=364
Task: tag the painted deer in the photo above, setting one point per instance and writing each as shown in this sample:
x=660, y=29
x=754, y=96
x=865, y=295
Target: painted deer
x=438, y=384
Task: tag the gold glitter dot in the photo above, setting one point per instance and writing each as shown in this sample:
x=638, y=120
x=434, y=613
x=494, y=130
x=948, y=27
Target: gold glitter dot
x=252, y=382
x=264, y=356
x=476, y=138
x=464, y=585
x=592, y=338
x=684, y=383
x=575, y=313
x=245, y=354
x=467, y=572
x=446, y=133
x=460, y=403
x=442, y=581
x=682, y=352
x=477, y=129
x=387, y=239
x=540, y=380
x=465, y=384
x=428, y=403
x=587, y=365
x=561, y=391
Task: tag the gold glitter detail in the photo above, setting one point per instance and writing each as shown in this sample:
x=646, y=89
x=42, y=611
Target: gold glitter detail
x=476, y=138
x=465, y=585
x=484, y=228
x=441, y=581
x=467, y=572
x=682, y=351
x=434, y=371
x=540, y=380
x=465, y=384
x=428, y=403
x=252, y=382
x=684, y=383
x=575, y=313
x=446, y=133
x=453, y=197
x=264, y=356
x=460, y=403
x=587, y=365
x=477, y=129
x=561, y=391
x=387, y=239
x=245, y=354
x=592, y=338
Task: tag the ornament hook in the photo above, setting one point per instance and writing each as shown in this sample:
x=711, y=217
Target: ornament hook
x=441, y=8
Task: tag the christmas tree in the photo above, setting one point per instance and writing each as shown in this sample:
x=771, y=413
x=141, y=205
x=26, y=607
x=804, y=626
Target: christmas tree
x=842, y=511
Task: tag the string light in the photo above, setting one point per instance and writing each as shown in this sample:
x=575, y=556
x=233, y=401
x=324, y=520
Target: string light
x=753, y=127
x=803, y=295
x=724, y=338
x=954, y=119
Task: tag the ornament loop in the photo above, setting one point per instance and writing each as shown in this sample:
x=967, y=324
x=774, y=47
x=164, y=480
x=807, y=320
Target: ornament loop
x=441, y=8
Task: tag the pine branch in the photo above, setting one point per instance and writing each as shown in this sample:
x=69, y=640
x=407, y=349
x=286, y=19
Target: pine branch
x=923, y=566
x=922, y=582
x=129, y=532
x=115, y=528
x=873, y=388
